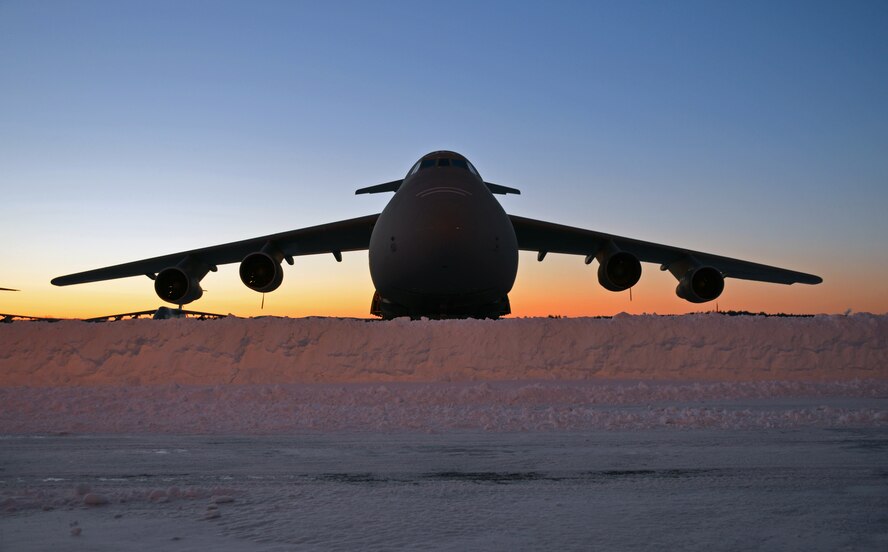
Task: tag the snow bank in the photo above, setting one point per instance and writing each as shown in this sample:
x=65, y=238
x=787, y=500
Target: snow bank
x=325, y=350
x=285, y=375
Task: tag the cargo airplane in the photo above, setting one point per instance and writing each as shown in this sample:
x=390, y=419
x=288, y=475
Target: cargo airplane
x=442, y=247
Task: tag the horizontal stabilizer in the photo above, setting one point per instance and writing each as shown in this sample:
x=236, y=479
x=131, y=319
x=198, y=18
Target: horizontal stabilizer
x=502, y=190
x=380, y=188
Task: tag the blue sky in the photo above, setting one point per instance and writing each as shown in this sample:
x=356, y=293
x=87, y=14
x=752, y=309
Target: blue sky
x=753, y=129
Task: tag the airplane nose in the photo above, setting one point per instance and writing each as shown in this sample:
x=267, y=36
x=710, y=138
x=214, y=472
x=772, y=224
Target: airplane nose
x=446, y=252
x=446, y=242
x=454, y=253
x=451, y=256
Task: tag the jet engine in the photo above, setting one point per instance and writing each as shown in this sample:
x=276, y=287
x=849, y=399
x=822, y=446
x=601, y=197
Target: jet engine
x=697, y=283
x=180, y=284
x=617, y=270
x=261, y=271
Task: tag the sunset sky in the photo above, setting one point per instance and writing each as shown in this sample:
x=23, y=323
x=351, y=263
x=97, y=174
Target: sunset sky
x=756, y=130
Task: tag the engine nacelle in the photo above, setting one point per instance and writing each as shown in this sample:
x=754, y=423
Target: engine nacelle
x=180, y=284
x=261, y=271
x=617, y=270
x=700, y=284
x=176, y=286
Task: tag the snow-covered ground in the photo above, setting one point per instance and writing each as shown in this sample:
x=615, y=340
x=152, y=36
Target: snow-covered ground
x=708, y=347
x=808, y=489
x=295, y=375
x=637, y=432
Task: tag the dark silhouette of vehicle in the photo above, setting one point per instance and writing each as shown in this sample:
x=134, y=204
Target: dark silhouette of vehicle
x=161, y=313
x=442, y=247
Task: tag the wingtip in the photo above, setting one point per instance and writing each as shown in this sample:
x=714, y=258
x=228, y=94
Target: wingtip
x=811, y=279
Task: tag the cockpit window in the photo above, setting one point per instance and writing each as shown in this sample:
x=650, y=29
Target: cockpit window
x=443, y=162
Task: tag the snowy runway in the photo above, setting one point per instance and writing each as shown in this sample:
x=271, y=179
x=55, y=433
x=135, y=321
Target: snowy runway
x=812, y=489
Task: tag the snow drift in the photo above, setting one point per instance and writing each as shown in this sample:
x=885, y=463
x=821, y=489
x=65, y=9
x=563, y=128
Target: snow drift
x=707, y=347
x=293, y=375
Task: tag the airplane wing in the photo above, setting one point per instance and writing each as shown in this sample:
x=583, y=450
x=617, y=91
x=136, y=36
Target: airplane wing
x=335, y=237
x=547, y=237
x=7, y=289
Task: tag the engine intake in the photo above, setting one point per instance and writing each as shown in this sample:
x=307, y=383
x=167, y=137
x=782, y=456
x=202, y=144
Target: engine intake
x=261, y=272
x=700, y=284
x=180, y=284
x=617, y=270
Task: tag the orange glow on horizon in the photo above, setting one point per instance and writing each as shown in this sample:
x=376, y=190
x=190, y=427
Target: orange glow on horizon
x=559, y=286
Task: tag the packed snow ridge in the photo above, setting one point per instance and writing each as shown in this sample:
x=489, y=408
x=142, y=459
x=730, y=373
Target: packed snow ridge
x=274, y=374
x=707, y=347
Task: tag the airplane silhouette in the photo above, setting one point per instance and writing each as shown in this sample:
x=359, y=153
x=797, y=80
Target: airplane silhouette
x=442, y=247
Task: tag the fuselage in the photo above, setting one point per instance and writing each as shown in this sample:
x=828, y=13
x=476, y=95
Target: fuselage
x=443, y=246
